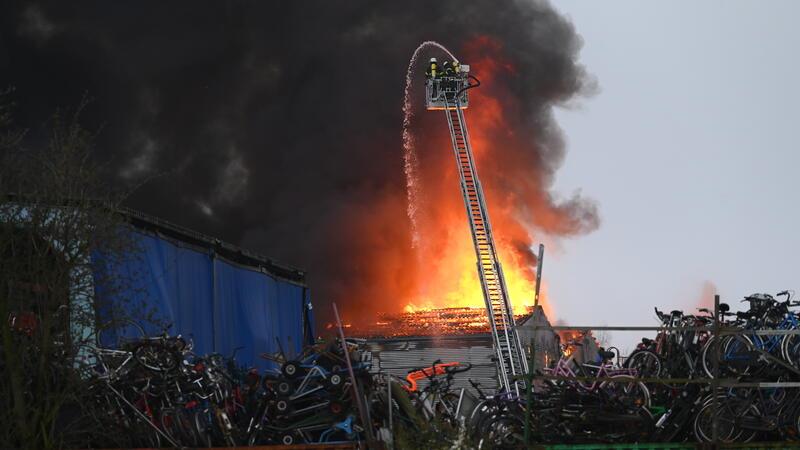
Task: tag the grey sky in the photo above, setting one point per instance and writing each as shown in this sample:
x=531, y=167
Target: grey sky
x=690, y=148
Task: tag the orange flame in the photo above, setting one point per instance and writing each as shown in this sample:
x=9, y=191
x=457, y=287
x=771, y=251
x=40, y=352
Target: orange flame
x=446, y=263
x=515, y=159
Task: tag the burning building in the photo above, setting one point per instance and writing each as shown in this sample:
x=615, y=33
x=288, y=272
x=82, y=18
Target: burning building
x=284, y=140
x=431, y=322
x=446, y=89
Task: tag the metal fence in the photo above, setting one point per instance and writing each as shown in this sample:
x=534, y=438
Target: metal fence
x=716, y=330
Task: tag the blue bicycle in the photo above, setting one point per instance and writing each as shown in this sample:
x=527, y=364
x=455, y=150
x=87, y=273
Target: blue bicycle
x=746, y=353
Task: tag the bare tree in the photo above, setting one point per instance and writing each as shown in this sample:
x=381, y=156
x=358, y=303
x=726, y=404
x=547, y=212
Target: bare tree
x=57, y=219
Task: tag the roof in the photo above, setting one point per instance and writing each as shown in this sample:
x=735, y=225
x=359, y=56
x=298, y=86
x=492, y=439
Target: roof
x=168, y=229
x=226, y=250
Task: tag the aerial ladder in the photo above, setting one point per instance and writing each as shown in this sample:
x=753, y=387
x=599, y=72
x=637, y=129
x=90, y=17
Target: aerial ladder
x=447, y=91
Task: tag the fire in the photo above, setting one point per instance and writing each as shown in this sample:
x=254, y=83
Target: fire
x=429, y=263
x=568, y=340
x=446, y=263
x=427, y=322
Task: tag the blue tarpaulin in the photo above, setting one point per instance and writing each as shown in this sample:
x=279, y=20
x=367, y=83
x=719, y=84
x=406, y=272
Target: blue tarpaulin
x=220, y=304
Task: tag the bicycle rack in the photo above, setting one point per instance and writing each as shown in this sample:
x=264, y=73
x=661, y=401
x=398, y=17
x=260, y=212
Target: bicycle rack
x=716, y=330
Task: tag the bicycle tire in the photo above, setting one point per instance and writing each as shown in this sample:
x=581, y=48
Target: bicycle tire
x=124, y=324
x=796, y=422
x=790, y=349
x=647, y=363
x=749, y=343
x=708, y=364
x=446, y=408
x=702, y=425
x=640, y=399
x=505, y=431
x=202, y=428
x=146, y=436
x=178, y=426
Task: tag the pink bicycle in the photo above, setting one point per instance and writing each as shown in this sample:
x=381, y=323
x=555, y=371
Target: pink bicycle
x=604, y=376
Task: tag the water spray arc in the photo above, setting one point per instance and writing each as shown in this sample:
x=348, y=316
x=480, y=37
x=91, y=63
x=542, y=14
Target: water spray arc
x=410, y=162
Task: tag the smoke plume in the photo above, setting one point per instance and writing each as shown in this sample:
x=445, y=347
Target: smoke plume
x=276, y=126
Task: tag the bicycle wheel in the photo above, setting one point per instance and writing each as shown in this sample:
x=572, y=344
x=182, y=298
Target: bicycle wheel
x=740, y=354
x=734, y=355
x=790, y=349
x=445, y=408
x=481, y=420
x=146, y=434
x=505, y=431
x=178, y=425
x=202, y=426
x=793, y=433
x=646, y=363
x=169, y=424
x=116, y=333
x=727, y=416
x=633, y=394
x=707, y=356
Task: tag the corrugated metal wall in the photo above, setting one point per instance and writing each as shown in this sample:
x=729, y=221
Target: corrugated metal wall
x=399, y=355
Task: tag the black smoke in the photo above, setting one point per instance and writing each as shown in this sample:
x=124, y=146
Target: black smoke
x=274, y=125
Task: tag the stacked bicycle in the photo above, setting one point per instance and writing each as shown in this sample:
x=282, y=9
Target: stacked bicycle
x=153, y=391
x=730, y=378
x=577, y=402
x=751, y=360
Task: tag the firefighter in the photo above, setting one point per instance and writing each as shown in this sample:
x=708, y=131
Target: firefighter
x=447, y=69
x=431, y=72
x=456, y=67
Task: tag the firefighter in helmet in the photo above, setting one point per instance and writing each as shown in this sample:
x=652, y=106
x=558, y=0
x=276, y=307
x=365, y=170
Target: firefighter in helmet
x=447, y=69
x=431, y=71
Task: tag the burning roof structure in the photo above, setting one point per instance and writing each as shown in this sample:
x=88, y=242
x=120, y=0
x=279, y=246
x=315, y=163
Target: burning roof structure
x=430, y=322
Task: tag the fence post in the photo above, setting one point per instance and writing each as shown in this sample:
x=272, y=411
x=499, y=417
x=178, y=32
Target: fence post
x=363, y=412
x=214, y=312
x=391, y=425
x=715, y=380
x=529, y=394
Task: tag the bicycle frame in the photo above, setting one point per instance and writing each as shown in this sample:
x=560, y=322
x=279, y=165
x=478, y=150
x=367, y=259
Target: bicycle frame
x=604, y=370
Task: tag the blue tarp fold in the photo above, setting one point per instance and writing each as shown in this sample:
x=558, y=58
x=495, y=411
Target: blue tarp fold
x=220, y=305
